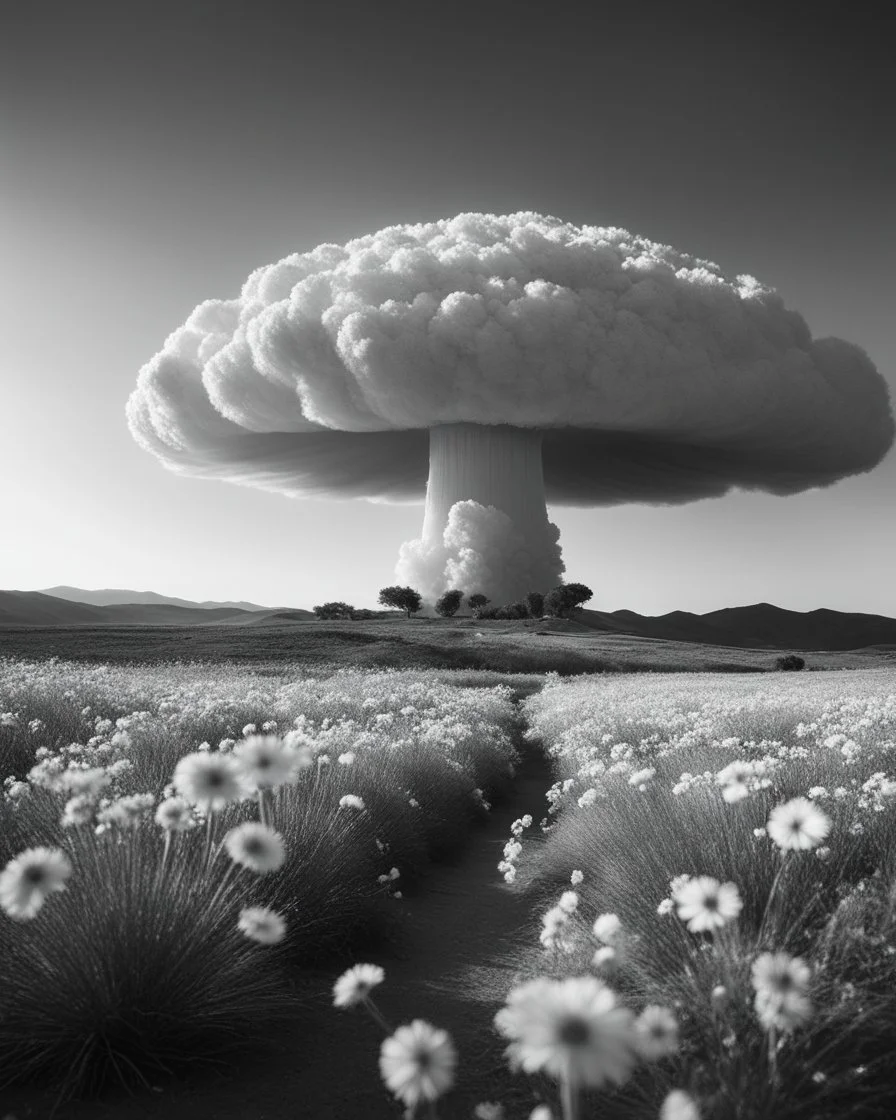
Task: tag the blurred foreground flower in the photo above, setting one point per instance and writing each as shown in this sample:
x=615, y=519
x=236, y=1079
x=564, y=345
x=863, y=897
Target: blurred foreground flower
x=798, y=825
x=657, y=1033
x=267, y=762
x=705, y=904
x=256, y=847
x=679, y=1105
x=417, y=1063
x=30, y=878
x=260, y=924
x=571, y=1029
x=209, y=780
x=781, y=983
x=355, y=985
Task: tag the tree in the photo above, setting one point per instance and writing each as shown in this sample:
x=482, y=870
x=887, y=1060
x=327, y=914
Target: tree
x=535, y=604
x=477, y=602
x=449, y=604
x=562, y=600
x=334, y=610
x=402, y=598
x=790, y=663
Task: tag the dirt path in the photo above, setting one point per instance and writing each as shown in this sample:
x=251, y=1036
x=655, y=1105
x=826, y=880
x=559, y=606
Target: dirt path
x=453, y=966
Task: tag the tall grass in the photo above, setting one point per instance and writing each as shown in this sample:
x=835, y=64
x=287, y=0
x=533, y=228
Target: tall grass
x=641, y=798
x=139, y=963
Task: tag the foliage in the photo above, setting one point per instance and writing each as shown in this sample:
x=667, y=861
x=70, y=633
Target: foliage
x=478, y=603
x=335, y=610
x=449, y=604
x=402, y=598
x=535, y=604
x=680, y=779
x=790, y=663
x=139, y=963
x=562, y=601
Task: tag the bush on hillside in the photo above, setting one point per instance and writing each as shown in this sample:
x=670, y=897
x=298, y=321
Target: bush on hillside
x=449, y=604
x=790, y=663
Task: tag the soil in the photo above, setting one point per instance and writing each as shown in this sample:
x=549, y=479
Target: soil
x=453, y=962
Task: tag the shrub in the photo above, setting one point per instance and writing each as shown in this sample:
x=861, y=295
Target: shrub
x=449, y=603
x=477, y=603
x=402, y=598
x=335, y=610
x=790, y=663
x=535, y=604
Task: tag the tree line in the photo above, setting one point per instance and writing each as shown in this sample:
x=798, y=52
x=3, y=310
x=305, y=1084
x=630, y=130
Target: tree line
x=559, y=602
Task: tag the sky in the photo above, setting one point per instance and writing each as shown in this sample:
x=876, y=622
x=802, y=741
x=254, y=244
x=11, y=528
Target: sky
x=154, y=155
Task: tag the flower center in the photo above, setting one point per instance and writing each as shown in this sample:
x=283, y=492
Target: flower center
x=573, y=1032
x=711, y=902
x=34, y=875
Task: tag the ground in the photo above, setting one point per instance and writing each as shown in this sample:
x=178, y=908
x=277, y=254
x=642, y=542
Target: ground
x=529, y=645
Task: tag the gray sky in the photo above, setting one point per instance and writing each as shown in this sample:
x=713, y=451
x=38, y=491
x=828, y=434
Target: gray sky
x=154, y=155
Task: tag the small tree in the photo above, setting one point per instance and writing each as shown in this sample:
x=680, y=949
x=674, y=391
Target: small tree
x=535, y=604
x=563, y=600
x=477, y=602
x=449, y=604
x=334, y=610
x=402, y=598
x=790, y=663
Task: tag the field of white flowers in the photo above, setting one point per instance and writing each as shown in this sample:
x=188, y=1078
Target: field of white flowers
x=175, y=838
x=720, y=853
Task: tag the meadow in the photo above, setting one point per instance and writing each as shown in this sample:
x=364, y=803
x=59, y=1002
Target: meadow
x=698, y=921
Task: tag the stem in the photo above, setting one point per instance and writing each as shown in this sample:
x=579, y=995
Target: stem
x=569, y=1097
x=377, y=1015
x=771, y=895
x=262, y=812
x=773, y=1054
x=208, y=841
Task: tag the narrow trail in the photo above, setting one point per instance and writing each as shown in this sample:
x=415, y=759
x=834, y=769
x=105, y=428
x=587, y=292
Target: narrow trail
x=452, y=963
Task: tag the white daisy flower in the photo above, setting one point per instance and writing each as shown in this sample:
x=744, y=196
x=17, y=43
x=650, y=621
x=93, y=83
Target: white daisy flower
x=174, y=815
x=29, y=878
x=576, y=878
x=705, y=904
x=607, y=928
x=260, y=924
x=570, y=1028
x=657, y=1033
x=255, y=846
x=781, y=983
x=679, y=1105
x=355, y=985
x=798, y=825
x=351, y=801
x=417, y=1063
x=210, y=780
x=266, y=761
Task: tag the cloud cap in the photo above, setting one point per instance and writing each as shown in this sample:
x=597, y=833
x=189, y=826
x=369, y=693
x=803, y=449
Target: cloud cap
x=653, y=376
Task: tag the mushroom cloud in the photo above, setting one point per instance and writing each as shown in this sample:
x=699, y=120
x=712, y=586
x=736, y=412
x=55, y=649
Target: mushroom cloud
x=493, y=363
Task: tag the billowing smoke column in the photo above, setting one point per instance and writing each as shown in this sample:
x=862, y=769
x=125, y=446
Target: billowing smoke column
x=508, y=360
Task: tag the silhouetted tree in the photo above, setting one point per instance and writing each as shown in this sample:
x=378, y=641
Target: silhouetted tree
x=790, y=663
x=563, y=600
x=403, y=598
x=449, y=603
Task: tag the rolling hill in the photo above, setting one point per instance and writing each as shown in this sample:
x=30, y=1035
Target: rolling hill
x=107, y=597
x=36, y=608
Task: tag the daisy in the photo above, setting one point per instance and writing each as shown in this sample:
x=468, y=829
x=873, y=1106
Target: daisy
x=87, y=783
x=570, y=1029
x=657, y=1032
x=607, y=928
x=541, y=1112
x=489, y=1110
x=576, y=878
x=781, y=983
x=679, y=1105
x=78, y=810
x=705, y=904
x=351, y=801
x=174, y=815
x=265, y=761
x=209, y=779
x=355, y=985
x=255, y=846
x=260, y=924
x=417, y=1063
x=569, y=902
x=29, y=878
x=798, y=825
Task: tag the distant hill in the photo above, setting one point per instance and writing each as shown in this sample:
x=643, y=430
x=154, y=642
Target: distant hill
x=760, y=626
x=36, y=608
x=111, y=596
